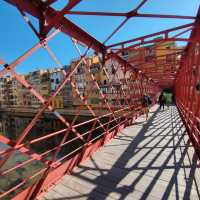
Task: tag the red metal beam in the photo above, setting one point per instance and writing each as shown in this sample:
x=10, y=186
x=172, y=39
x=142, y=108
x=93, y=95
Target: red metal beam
x=165, y=16
x=116, y=30
x=134, y=14
x=140, y=5
x=54, y=19
x=153, y=41
x=71, y=4
x=152, y=35
x=164, y=78
x=111, y=14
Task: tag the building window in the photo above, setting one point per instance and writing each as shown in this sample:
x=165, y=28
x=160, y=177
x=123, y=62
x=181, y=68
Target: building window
x=125, y=54
x=57, y=81
x=149, y=52
x=104, y=82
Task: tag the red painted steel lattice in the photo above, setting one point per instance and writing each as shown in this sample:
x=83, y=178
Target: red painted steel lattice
x=187, y=87
x=127, y=81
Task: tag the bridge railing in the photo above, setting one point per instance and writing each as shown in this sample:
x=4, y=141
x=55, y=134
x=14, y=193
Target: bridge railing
x=105, y=95
x=107, y=98
x=187, y=87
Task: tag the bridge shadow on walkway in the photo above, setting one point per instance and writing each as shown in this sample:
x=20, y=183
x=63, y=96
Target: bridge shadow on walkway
x=149, y=160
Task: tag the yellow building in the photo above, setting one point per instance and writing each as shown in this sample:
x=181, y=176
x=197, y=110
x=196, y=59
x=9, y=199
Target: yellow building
x=57, y=102
x=95, y=71
x=165, y=56
x=40, y=81
x=165, y=50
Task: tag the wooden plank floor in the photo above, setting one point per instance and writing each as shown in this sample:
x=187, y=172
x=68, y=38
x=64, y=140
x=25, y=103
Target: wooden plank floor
x=149, y=160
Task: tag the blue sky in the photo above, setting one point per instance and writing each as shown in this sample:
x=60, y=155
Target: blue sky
x=16, y=37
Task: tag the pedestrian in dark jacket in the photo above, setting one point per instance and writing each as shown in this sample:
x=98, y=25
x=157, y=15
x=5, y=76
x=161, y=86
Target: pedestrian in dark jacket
x=146, y=102
x=162, y=101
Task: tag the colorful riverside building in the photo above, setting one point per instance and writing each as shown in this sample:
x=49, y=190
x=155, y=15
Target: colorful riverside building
x=164, y=51
x=91, y=89
x=41, y=83
x=64, y=98
x=14, y=94
x=83, y=82
x=161, y=57
x=2, y=91
x=56, y=76
x=9, y=95
x=67, y=90
x=87, y=75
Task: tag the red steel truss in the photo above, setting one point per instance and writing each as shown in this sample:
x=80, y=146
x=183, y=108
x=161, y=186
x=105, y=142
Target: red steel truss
x=134, y=78
x=187, y=87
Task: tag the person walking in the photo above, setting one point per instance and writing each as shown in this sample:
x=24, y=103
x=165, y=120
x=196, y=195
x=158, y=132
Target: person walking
x=162, y=101
x=146, y=102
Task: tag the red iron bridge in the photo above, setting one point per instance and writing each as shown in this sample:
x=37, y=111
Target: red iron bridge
x=115, y=153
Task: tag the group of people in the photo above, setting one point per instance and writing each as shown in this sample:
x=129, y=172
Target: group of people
x=146, y=102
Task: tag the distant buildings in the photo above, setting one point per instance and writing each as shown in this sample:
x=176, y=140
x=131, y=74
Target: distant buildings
x=45, y=82
x=3, y=81
x=39, y=81
x=95, y=84
x=156, y=55
x=89, y=82
x=56, y=77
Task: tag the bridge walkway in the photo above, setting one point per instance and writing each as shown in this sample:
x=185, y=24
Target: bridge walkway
x=148, y=160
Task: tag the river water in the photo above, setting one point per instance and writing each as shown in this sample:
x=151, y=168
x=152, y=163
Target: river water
x=12, y=126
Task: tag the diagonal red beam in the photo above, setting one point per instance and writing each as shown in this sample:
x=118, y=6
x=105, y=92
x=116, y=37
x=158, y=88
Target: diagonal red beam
x=124, y=63
x=133, y=14
x=53, y=19
x=152, y=35
x=27, y=20
x=49, y=2
x=116, y=30
x=56, y=20
x=95, y=13
x=128, y=15
x=28, y=53
x=25, y=6
x=140, y=5
x=160, y=56
x=165, y=16
x=71, y=4
x=153, y=42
